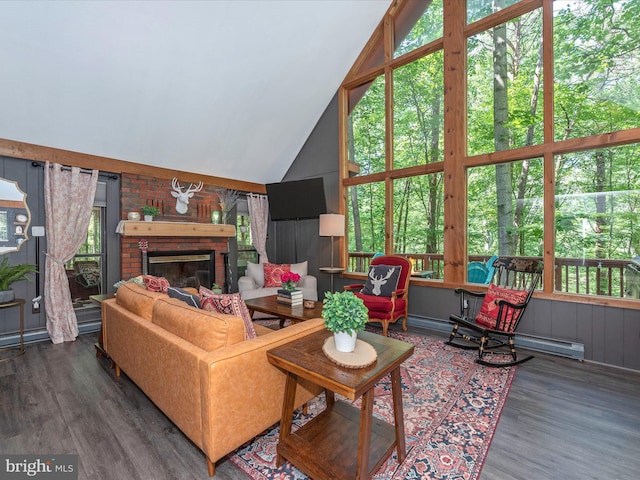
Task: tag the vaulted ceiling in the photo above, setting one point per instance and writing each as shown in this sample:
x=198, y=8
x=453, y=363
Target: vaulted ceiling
x=229, y=88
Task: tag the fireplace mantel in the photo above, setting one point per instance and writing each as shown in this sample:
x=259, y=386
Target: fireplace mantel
x=130, y=228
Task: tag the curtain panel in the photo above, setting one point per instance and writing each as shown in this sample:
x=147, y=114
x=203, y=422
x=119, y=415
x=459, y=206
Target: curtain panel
x=258, y=223
x=68, y=201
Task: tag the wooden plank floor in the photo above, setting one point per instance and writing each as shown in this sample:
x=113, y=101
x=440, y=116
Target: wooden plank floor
x=563, y=419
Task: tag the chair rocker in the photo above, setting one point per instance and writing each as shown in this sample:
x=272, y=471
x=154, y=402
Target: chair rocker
x=488, y=321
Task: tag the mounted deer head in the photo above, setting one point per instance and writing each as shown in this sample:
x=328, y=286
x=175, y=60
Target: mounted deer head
x=182, y=198
x=378, y=282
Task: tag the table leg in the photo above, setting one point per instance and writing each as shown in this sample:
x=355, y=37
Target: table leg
x=288, y=402
x=330, y=398
x=364, y=436
x=398, y=413
x=21, y=328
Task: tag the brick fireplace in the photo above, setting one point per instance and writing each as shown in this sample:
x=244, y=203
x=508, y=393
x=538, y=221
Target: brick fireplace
x=137, y=190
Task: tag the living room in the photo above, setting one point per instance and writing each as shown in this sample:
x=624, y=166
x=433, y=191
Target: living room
x=602, y=329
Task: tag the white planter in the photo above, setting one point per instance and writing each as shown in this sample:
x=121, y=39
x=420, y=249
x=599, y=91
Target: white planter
x=345, y=341
x=7, y=296
x=148, y=218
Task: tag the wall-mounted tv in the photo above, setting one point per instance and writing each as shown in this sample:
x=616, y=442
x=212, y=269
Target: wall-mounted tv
x=297, y=199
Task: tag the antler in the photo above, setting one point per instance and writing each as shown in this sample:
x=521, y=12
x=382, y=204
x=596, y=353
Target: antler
x=195, y=189
x=389, y=273
x=176, y=186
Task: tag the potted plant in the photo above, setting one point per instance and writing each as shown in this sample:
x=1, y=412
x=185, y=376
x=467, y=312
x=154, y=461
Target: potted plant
x=12, y=273
x=149, y=212
x=215, y=288
x=345, y=315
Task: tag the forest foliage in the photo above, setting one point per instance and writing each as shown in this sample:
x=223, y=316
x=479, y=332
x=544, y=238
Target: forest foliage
x=596, y=47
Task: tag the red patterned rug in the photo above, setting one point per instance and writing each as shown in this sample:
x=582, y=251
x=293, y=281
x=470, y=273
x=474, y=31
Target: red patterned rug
x=451, y=410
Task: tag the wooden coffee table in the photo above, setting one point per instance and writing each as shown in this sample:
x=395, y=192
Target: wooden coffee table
x=271, y=306
x=340, y=442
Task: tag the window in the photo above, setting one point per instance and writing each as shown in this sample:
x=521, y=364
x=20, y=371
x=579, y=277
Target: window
x=504, y=85
x=367, y=143
x=505, y=210
x=84, y=270
x=246, y=250
x=366, y=227
x=483, y=142
x=597, y=208
x=597, y=64
x=418, y=99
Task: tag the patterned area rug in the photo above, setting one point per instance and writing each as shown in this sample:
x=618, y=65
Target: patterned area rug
x=451, y=410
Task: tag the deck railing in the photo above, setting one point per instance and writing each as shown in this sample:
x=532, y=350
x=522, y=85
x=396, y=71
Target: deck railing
x=572, y=275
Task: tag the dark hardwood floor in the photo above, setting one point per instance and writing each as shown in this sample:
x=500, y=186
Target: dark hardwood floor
x=563, y=420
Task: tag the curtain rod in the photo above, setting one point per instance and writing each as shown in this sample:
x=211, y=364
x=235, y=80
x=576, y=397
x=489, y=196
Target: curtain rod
x=111, y=176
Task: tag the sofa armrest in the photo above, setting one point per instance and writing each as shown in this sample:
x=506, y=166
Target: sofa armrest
x=242, y=392
x=246, y=283
x=308, y=281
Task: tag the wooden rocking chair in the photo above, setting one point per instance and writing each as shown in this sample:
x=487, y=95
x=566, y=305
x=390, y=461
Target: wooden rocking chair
x=488, y=321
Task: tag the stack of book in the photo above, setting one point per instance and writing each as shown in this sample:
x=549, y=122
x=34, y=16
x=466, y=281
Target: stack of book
x=290, y=297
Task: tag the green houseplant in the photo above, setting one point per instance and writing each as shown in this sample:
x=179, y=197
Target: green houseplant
x=10, y=274
x=345, y=315
x=149, y=212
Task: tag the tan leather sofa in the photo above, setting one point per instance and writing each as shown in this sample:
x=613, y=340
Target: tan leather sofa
x=218, y=388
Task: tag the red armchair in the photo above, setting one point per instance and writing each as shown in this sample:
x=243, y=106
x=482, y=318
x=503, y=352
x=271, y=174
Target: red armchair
x=386, y=305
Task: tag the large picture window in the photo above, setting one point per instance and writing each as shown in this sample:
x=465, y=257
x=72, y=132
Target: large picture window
x=515, y=133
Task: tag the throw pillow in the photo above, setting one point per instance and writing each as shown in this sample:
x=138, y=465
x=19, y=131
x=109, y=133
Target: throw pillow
x=229, y=304
x=488, y=314
x=188, y=298
x=137, y=280
x=256, y=271
x=382, y=280
x=155, y=284
x=299, y=268
x=273, y=272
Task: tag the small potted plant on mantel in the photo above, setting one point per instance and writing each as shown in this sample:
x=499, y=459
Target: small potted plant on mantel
x=149, y=212
x=345, y=315
x=10, y=274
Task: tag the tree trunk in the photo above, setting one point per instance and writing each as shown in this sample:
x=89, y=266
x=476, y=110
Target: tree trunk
x=353, y=192
x=504, y=186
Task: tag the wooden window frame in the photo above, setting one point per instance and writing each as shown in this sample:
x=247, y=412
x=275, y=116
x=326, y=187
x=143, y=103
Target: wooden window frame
x=456, y=161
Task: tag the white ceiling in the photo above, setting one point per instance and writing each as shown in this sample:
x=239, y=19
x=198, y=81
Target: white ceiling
x=224, y=88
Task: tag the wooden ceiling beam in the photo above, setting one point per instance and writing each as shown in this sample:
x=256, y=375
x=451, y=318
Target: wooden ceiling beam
x=28, y=151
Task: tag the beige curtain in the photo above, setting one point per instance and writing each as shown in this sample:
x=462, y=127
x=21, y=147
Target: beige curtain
x=68, y=201
x=258, y=223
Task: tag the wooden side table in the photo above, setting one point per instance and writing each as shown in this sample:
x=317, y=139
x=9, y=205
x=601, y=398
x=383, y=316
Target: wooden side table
x=18, y=302
x=100, y=351
x=340, y=442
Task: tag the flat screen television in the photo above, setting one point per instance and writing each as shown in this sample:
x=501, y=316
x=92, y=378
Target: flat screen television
x=297, y=199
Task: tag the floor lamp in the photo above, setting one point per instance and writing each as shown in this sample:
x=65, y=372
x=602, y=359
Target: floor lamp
x=331, y=225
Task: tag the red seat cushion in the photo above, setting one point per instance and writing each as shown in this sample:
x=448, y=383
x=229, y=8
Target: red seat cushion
x=488, y=314
x=380, y=307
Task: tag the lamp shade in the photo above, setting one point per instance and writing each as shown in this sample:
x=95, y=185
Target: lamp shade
x=331, y=225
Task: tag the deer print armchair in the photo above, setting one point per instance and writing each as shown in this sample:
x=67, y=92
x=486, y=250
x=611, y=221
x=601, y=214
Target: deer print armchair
x=386, y=290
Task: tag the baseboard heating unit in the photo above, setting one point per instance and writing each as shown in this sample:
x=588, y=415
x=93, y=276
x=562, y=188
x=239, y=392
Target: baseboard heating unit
x=539, y=344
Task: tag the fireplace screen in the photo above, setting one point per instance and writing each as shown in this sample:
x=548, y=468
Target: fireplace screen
x=183, y=269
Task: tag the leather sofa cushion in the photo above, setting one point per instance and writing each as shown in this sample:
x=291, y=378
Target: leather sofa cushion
x=137, y=299
x=207, y=330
